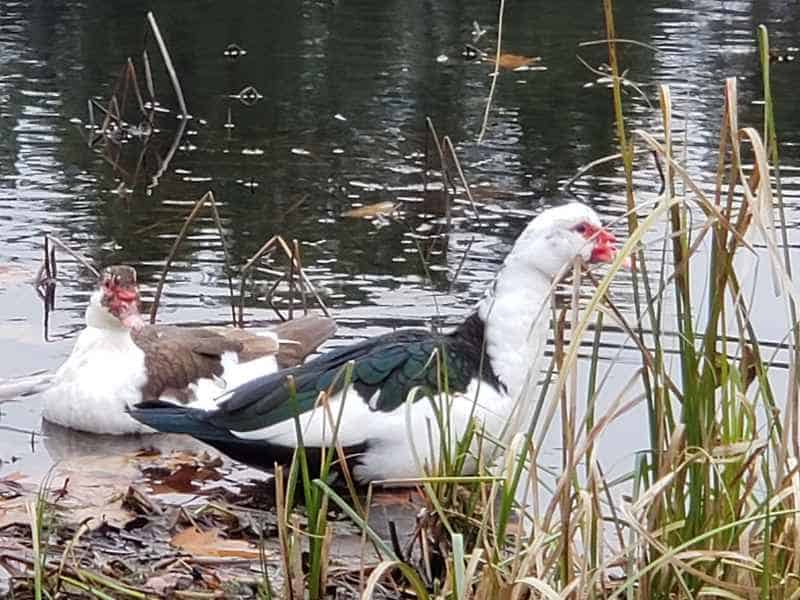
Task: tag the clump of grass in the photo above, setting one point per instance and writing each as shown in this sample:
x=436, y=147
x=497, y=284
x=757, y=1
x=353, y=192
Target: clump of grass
x=54, y=576
x=308, y=578
x=39, y=516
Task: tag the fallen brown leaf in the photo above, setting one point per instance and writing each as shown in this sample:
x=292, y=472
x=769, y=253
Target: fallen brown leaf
x=184, y=477
x=209, y=543
x=178, y=471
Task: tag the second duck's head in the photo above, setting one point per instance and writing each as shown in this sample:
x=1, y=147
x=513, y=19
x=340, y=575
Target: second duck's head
x=115, y=302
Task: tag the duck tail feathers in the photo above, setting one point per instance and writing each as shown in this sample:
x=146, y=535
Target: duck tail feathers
x=170, y=418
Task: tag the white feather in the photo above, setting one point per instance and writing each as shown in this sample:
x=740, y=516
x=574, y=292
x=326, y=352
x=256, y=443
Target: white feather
x=386, y=435
x=207, y=392
x=103, y=375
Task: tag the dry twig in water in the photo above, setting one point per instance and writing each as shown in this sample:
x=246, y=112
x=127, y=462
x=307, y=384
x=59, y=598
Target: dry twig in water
x=495, y=73
x=207, y=199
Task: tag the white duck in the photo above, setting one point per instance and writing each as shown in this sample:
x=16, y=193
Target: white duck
x=118, y=360
x=486, y=361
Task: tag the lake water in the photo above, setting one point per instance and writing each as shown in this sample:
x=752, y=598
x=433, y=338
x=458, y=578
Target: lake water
x=336, y=119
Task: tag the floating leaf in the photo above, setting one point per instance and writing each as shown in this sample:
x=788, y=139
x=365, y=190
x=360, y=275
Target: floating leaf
x=379, y=209
x=209, y=543
x=514, y=61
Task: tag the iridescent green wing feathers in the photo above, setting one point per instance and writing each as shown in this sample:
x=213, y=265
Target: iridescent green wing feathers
x=384, y=371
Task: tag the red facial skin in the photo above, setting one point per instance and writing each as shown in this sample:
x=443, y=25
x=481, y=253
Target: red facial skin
x=123, y=302
x=605, y=248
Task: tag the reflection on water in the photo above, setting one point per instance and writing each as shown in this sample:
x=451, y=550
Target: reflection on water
x=66, y=444
x=325, y=111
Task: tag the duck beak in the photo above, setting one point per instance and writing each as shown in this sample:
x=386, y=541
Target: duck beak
x=124, y=304
x=605, y=247
x=126, y=294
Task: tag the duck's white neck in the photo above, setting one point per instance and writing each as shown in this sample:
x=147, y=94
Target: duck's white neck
x=516, y=314
x=98, y=316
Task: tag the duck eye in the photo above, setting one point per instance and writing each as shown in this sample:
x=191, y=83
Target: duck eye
x=116, y=279
x=581, y=228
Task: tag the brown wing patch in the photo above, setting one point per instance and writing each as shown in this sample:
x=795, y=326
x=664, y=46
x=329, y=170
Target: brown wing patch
x=178, y=356
x=253, y=346
x=299, y=338
x=302, y=337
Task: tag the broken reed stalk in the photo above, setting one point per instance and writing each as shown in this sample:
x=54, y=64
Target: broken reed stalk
x=170, y=153
x=304, y=285
x=270, y=293
x=49, y=237
x=95, y=104
x=113, y=107
x=495, y=74
x=245, y=270
x=91, y=137
x=208, y=198
x=134, y=77
x=442, y=166
x=445, y=187
x=176, y=84
x=148, y=79
x=440, y=152
x=225, y=253
x=114, y=112
x=304, y=278
x=46, y=264
x=108, y=116
x=303, y=299
x=292, y=264
x=461, y=176
x=125, y=83
x=140, y=160
x=460, y=266
x=45, y=283
x=567, y=187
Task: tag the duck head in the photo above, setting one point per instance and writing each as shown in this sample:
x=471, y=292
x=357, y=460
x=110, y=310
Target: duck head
x=561, y=234
x=115, y=302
